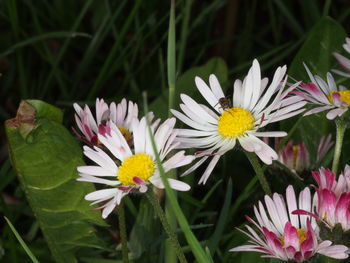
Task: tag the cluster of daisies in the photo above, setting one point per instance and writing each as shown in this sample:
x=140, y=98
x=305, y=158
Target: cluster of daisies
x=124, y=149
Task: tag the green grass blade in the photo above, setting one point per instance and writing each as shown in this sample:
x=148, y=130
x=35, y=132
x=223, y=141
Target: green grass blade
x=21, y=241
x=14, y=20
x=35, y=39
x=184, y=33
x=99, y=36
x=170, y=252
x=64, y=48
x=204, y=200
x=292, y=21
x=196, y=247
x=247, y=192
x=326, y=8
x=171, y=56
x=220, y=225
x=105, y=70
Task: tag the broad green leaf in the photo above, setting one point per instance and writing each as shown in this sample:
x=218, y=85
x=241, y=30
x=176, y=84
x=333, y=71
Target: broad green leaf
x=45, y=157
x=185, y=84
x=324, y=38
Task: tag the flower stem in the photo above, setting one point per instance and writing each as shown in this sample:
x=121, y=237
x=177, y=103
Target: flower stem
x=122, y=229
x=258, y=171
x=154, y=202
x=341, y=127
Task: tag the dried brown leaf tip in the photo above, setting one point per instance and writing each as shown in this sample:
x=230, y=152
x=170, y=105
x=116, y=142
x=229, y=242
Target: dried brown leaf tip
x=24, y=120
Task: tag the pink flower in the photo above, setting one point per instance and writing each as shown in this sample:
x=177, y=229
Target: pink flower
x=297, y=157
x=285, y=236
x=121, y=115
x=324, y=96
x=333, y=197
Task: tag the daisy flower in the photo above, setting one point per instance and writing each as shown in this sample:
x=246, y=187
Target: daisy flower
x=333, y=197
x=132, y=169
x=297, y=157
x=285, y=236
x=343, y=61
x=121, y=115
x=254, y=105
x=325, y=96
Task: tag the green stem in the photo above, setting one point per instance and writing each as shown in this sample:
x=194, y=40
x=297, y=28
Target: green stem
x=122, y=229
x=184, y=33
x=258, y=171
x=341, y=127
x=170, y=253
x=154, y=202
x=171, y=56
x=326, y=8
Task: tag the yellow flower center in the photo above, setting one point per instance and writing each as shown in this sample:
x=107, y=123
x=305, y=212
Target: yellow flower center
x=295, y=154
x=344, y=96
x=235, y=122
x=140, y=165
x=127, y=135
x=301, y=235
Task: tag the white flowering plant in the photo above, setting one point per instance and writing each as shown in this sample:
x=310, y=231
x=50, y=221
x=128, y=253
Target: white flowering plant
x=230, y=161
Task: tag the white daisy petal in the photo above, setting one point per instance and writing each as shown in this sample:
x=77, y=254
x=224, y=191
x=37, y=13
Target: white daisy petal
x=101, y=194
x=215, y=86
x=279, y=236
x=254, y=105
x=96, y=170
x=136, y=167
x=207, y=93
x=322, y=94
x=93, y=179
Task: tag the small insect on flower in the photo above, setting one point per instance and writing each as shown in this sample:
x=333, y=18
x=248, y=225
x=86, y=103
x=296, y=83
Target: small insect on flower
x=91, y=124
x=215, y=129
x=105, y=117
x=225, y=103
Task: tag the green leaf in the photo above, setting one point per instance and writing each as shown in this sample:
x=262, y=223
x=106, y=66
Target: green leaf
x=185, y=84
x=45, y=158
x=144, y=232
x=324, y=38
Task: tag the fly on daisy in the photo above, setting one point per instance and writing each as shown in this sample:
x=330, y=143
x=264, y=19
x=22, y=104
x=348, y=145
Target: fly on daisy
x=132, y=169
x=216, y=129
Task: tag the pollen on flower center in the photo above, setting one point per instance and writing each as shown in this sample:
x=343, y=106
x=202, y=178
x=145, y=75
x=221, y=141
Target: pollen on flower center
x=127, y=135
x=295, y=154
x=235, y=122
x=301, y=236
x=140, y=165
x=344, y=96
